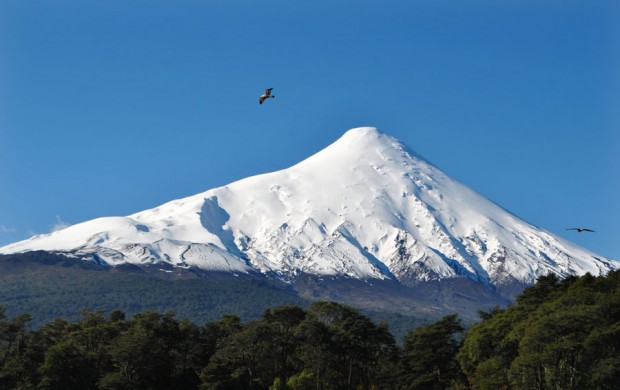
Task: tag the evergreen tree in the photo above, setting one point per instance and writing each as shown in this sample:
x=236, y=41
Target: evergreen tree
x=429, y=360
x=284, y=322
x=14, y=348
x=244, y=360
x=560, y=334
x=143, y=355
x=358, y=349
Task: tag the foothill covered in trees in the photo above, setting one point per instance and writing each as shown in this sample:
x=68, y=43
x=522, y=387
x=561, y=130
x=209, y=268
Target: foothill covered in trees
x=559, y=334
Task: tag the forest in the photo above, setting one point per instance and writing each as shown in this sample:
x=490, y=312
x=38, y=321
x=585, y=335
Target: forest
x=559, y=334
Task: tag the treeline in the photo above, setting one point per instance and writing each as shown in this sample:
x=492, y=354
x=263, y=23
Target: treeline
x=560, y=334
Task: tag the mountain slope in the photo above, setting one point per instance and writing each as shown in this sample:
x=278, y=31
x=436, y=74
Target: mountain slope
x=366, y=207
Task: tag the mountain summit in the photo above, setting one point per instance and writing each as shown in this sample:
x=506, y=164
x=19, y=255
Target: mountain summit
x=366, y=207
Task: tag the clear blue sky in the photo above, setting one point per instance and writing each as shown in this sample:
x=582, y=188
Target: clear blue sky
x=112, y=107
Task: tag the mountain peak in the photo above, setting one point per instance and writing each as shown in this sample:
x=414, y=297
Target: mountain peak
x=362, y=132
x=360, y=137
x=361, y=146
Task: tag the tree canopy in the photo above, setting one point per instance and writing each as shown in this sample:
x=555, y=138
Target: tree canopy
x=558, y=334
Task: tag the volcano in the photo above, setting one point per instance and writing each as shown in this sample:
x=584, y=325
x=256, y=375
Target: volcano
x=366, y=208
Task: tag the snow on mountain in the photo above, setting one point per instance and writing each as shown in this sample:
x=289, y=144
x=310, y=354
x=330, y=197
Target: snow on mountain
x=366, y=207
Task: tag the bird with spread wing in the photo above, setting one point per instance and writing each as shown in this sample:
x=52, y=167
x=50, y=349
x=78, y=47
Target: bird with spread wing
x=579, y=230
x=266, y=96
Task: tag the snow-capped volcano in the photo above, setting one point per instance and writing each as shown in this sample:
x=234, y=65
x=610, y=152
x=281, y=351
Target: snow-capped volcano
x=365, y=207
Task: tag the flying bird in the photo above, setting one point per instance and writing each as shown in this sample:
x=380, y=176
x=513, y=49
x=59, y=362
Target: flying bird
x=579, y=230
x=266, y=95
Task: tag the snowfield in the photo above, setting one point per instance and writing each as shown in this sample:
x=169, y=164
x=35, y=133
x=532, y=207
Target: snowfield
x=365, y=207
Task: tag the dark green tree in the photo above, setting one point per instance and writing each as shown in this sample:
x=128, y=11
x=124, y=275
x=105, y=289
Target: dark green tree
x=428, y=359
x=286, y=338
x=143, y=357
x=78, y=358
x=559, y=334
x=358, y=350
x=14, y=348
x=244, y=360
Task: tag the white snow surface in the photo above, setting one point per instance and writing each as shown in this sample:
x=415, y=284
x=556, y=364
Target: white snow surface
x=364, y=207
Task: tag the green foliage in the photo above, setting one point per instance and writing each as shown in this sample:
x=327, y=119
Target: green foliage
x=428, y=360
x=560, y=334
x=51, y=292
x=49, y=287
x=301, y=381
x=347, y=349
x=333, y=345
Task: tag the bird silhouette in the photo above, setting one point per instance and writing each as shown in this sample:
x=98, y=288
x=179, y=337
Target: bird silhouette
x=579, y=230
x=266, y=95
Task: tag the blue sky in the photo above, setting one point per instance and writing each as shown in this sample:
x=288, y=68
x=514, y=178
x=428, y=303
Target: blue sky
x=112, y=107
